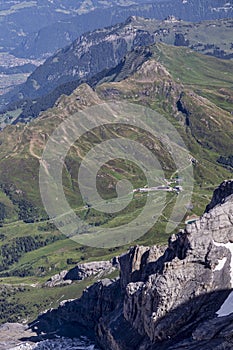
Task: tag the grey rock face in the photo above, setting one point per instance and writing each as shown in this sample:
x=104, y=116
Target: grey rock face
x=88, y=55
x=57, y=280
x=82, y=271
x=11, y=334
x=167, y=297
x=221, y=193
x=80, y=316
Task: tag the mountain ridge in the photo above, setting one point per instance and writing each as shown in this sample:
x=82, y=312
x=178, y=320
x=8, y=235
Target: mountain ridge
x=75, y=65
x=18, y=29
x=182, y=103
x=188, y=90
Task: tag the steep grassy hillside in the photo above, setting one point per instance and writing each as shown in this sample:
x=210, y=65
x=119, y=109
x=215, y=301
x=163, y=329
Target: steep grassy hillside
x=197, y=92
x=193, y=93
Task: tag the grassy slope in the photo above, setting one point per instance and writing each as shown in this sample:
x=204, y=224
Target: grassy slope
x=204, y=84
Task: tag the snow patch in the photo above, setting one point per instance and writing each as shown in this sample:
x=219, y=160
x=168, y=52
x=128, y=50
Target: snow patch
x=227, y=307
x=221, y=264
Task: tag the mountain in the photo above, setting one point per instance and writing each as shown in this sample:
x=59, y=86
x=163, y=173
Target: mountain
x=21, y=19
x=170, y=297
x=166, y=296
x=84, y=59
x=59, y=34
x=34, y=30
x=193, y=93
x=25, y=25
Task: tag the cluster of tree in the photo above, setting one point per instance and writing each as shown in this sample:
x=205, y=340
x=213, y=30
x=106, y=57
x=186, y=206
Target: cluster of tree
x=17, y=247
x=180, y=40
x=226, y=161
x=2, y=212
x=49, y=226
x=26, y=210
x=10, y=311
x=71, y=261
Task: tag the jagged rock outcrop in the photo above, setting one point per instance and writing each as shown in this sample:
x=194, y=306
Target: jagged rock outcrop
x=167, y=297
x=57, y=280
x=220, y=194
x=82, y=271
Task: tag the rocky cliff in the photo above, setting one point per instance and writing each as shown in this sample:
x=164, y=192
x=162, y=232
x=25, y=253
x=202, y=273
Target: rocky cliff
x=83, y=271
x=174, y=297
x=221, y=194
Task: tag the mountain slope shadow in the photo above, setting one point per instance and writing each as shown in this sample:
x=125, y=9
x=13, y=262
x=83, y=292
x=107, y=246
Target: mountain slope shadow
x=201, y=329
